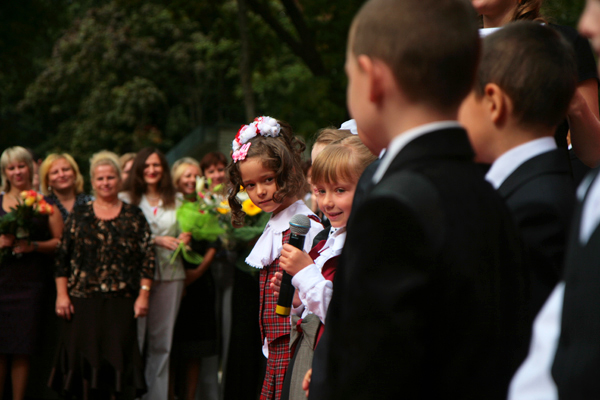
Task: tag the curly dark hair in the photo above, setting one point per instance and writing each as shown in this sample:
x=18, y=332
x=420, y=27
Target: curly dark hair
x=135, y=185
x=281, y=154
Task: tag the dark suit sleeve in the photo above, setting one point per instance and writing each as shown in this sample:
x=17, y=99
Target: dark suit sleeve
x=384, y=301
x=543, y=229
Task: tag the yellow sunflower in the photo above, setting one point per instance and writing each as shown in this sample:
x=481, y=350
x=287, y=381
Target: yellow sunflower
x=250, y=208
x=223, y=207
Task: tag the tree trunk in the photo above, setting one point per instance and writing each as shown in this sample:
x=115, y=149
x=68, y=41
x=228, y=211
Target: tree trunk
x=245, y=69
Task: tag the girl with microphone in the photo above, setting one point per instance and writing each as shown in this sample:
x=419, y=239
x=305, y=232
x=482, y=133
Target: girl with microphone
x=267, y=165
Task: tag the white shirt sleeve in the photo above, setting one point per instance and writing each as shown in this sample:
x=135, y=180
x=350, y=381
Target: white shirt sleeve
x=314, y=290
x=533, y=380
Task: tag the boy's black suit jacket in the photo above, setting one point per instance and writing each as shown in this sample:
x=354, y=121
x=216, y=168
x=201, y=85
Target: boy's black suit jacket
x=429, y=296
x=577, y=360
x=540, y=194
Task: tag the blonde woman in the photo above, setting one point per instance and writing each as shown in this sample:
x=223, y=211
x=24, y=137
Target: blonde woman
x=62, y=182
x=104, y=273
x=24, y=278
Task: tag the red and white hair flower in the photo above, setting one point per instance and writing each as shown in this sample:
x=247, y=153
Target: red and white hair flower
x=265, y=126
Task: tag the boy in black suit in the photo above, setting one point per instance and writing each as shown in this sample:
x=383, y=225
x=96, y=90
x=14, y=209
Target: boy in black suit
x=430, y=292
x=564, y=359
x=524, y=84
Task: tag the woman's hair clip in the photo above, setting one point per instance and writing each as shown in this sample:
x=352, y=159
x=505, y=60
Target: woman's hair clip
x=265, y=126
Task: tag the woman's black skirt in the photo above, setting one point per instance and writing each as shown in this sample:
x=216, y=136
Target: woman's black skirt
x=98, y=352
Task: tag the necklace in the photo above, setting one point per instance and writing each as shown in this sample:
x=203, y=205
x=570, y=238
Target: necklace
x=109, y=206
x=153, y=198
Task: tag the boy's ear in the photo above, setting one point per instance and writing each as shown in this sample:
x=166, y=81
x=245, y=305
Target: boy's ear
x=498, y=103
x=376, y=74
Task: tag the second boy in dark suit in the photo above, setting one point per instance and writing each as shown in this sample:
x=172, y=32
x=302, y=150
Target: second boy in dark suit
x=524, y=84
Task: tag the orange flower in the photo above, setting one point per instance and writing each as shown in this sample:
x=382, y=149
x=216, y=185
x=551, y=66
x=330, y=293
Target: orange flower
x=250, y=208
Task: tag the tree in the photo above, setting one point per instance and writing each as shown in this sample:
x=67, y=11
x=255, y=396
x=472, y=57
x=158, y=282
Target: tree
x=563, y=12
x=120, y=74
x=123, y=78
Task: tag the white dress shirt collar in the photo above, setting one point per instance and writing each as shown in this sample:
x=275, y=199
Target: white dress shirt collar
x=590, y=213
x=400, y=141
x=508, y=162
x=268, y=247
x=332, y=248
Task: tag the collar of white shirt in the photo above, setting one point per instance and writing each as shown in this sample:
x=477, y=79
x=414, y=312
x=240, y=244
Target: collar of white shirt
x=332, y=248
x=590, y=213
x=405, y=138
x=483, y=32
x=268, y=247
x=508, y=162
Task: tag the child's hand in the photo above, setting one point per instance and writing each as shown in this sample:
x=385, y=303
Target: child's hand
x=306, y=381
x=275, y=286
x=276, y=283
x=293, y=260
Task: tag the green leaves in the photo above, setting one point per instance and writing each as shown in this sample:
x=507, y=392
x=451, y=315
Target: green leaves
x=121, y=76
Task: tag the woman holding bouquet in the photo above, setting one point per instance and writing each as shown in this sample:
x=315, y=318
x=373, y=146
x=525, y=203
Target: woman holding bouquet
x=104, y=271
x=195, y=337
x=149, y=186
x=25, y=269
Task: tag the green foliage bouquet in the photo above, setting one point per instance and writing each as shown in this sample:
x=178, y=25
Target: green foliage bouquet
x=200, y=218
x=242, y=239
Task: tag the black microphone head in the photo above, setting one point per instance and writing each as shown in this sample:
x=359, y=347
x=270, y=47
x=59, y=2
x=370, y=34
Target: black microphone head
x=300, y=224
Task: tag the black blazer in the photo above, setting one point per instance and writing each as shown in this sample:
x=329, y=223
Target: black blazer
x=541, y=197
x=577, y=359
x=429, y=293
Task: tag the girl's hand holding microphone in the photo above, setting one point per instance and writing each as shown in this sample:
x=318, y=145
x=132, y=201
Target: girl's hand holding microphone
x=293, y=260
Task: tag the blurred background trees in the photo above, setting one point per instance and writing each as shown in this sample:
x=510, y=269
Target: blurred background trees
x=79, y=76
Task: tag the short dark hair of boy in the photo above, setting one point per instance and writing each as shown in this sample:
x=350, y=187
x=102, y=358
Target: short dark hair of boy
x=536, y=68
x=213, y=158
x=431, y=46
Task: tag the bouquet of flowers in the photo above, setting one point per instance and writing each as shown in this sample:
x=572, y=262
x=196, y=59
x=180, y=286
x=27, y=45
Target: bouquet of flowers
x=239, y=238
x=19, y=221
x=200, y=218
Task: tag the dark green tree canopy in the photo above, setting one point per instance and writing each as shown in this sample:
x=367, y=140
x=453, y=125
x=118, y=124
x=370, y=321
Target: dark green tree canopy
x=121, y=74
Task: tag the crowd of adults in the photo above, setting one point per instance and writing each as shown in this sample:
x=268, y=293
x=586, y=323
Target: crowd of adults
x=103, y=260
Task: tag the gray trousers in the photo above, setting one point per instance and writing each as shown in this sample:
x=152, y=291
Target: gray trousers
x=156, y=332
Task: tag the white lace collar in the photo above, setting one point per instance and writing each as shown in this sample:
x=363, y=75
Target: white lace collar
x=333, y=246
x=268, y=247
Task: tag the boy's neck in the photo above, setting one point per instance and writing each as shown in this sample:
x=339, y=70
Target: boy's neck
x=412, y=117
x=512, y=137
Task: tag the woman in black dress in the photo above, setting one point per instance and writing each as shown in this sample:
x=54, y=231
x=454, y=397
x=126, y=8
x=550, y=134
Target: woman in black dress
x=195, y=336
x=24, y=276
x=104, y=272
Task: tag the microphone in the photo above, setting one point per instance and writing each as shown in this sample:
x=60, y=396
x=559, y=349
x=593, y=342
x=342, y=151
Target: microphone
x=299, y=227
